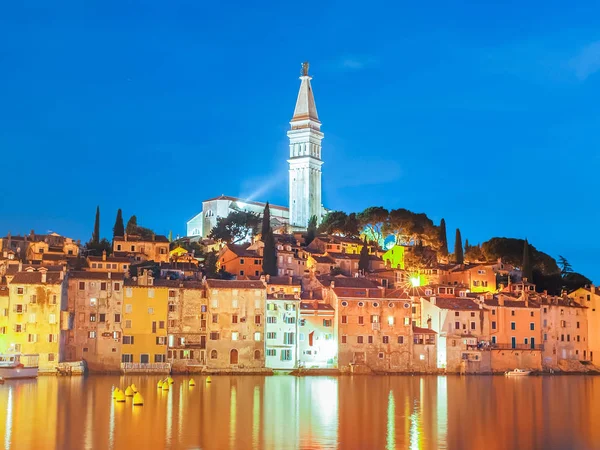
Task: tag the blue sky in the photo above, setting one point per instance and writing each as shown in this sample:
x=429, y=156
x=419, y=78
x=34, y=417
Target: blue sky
x=484, y=115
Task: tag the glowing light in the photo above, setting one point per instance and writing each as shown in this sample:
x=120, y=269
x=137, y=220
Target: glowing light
x=232, y=416
x=242, y=205
x=415, y=282
x=391, y=423
x=391, y=320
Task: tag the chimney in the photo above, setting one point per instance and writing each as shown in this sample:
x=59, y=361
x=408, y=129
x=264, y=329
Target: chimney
x=290, y=279
x=5, y=254
x=500, y=300
x=32, y=234
x=103, y=255
x=44, y=276
x=332, y=284
x=108, y=275
x=268, y=278
x=61, y=275
x=524, y=279
x=20, y=266
x=432, y=300
x=310, y=294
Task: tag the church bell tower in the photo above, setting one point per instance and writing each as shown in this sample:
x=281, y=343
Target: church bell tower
x=305, y=157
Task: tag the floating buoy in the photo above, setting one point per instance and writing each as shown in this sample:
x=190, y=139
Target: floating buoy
x=128, y=392
x=192, y=382
x=170, y=380
x=115, y=392
x=165, y=386
x=138, y=400
x=208, y=379
x=120, y=396
x=159, y=384
x=134, y=388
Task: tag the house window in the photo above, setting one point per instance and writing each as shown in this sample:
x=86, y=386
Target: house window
x=126, y=358
x=359, y=340
x=92, y=317
x=127, y=340
x=493, y=325
x=344, y=319
x=257, y=336
x=286, y=355
x=271, y=352
x=577, y=324
x=456, y=313
x=81, y=287
x=52, y=338
x=407, y=321
x=128, y=308
x=214, y=335
x=161, y=340
x=380, y=355
x=327, y=322
x=241, y=260
x=386, y=339
x=513, y=326
x=171, y=294
x=52, y=318
x=532, y=326
x=33, y=299
x=117, y=287
x=361, y=320
x=234, y=335
x=512, y=313
x=129, y=292
x=374, y=318
x=117, y=318
x=493, y=312
x=272, y=335
x=103, y=286
x=215, y=318
x=150, y=293
x=370, y=339
x=102, y=318
x=92, y=335
x=128, y=323
x=214, y=303
x=257, y=319
x=457, y=325
x=472, y=325
x=289, y=338
x=159, y=358
x=241, y=273
x=400, y=339
x=344, y=338
x=50, y=357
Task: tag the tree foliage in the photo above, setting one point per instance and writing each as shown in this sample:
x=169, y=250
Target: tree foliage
x=269, y=254
x=266, y=222
x=131, y=225
x=410, y=228
x=340, y=224
x=565, y=267
x=96, y=248
x=443, y=239
x=458, y=249
x=236, y=227
x=372, y=222
x=526, y=265
x=511, y=252
x=118, y=228
x=134, y=229
x=473, y=252
x=96, y=233
x=311, y=230
x=363, y=262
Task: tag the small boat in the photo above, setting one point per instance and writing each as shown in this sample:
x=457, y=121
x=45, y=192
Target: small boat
x=1, y=380
x=17, y=365
x=518, y=373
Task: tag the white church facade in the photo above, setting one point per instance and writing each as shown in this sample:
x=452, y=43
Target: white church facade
x=305, y=163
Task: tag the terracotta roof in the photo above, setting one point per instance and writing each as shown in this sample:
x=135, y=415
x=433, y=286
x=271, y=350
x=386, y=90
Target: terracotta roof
x=455, y=303
x=398, y=293
x=348, y=282
x=315, y=306
x=111, y=259
x=242, y=250
x=178, y=266
x=36, y=278
x=345, y=292
x=136, y=238
x=323, y=259
x=317, y=294
x=419, y=330
x=83, y=275
x=512, y=303
x=235, y=284
x=283, y=280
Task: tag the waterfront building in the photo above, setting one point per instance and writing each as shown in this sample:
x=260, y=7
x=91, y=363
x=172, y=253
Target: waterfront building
x=36, y=299
x=281, y=327
x=375, y=330
x=589, y=296
x=317, y=332
x=144, y=344
x=477, y=277
x=38, y=247
x=462, y=326
x=236, y=318
x=4, y=315
x=119, y=264
x=424, y=356
x=187, y=325
x=564, y=332
x=142, y=249
x=239, y=260
x=95, y=306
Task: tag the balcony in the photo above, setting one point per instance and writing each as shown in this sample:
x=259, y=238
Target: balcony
x=512, y=347
x=145, y=367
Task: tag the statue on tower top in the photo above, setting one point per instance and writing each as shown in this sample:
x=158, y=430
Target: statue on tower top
x=304, y=71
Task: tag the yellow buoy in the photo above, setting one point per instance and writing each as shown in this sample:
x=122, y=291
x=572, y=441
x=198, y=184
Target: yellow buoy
x=134, y=388
x=170, y=380
x=208, y=379
x=128, y=392
x=165, y=386
x=115, y=392
x=159, y=384
x=120, y=396
x=192, y=382
x=138, y=400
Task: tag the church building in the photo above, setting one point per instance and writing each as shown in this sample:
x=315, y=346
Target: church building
x=304, y=174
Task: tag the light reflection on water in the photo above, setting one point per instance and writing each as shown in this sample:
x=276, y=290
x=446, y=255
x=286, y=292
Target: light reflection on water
x=282, y=412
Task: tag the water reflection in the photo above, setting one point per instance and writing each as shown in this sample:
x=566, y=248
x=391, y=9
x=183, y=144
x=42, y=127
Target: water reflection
x=311, y=412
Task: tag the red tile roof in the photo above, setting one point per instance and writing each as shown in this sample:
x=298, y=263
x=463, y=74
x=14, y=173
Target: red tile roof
x=82, y=275
x=455, y=303
x=419, y=330
x=36, y=278
x=235, y=284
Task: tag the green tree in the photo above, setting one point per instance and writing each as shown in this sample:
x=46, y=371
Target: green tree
x=132, y=225
x=351, y=228
x=526, y=267
x=311, y=231
x=565, y=267
x=334, y=223
x=363, y=262
x=372, y=221
x=511, y=252
x=170, y=236
x=266, y=222
x=269, y=254
x=96, y=248
x=119, y=229
x=96, y=233
x=458, y=248
x=443, y=239
x=236, y=227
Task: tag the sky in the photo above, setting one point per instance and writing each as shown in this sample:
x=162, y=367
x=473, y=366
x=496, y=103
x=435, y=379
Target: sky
x=485, y=115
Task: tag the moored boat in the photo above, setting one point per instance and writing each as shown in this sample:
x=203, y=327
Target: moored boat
x=17, y=365
x=518, y=373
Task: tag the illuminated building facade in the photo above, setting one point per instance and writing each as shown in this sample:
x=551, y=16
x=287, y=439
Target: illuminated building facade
x=589, y=296
x=281, y=330
x=317, y=332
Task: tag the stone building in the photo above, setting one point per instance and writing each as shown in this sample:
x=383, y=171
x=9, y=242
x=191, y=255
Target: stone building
x=119, y=264
x=95, y=304
x=589, y=297
x=281, y=329
x=236, y=324
x=187, y=326
x=424, y=357
x=317, y=332
x=36, y=299
x=240, y=260
x=142, y=249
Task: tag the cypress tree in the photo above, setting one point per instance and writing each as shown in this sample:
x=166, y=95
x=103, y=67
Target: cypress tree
x=269, y=254
x=311, y=231
x=132, y=225
x=363, y=262
x=443, y=238
x=119, y=228
x=96, y=234
x=266, y=222
x=458, y=249
x=526, y=269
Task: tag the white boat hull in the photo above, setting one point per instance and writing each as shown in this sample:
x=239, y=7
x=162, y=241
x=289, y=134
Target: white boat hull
x=12, y=373
x=517, y=374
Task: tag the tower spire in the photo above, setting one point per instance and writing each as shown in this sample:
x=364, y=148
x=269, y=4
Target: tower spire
x=306, y=109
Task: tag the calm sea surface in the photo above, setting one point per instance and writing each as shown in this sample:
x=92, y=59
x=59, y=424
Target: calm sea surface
x=284, y=412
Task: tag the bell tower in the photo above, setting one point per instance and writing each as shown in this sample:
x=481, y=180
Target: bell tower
x=305, y=157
